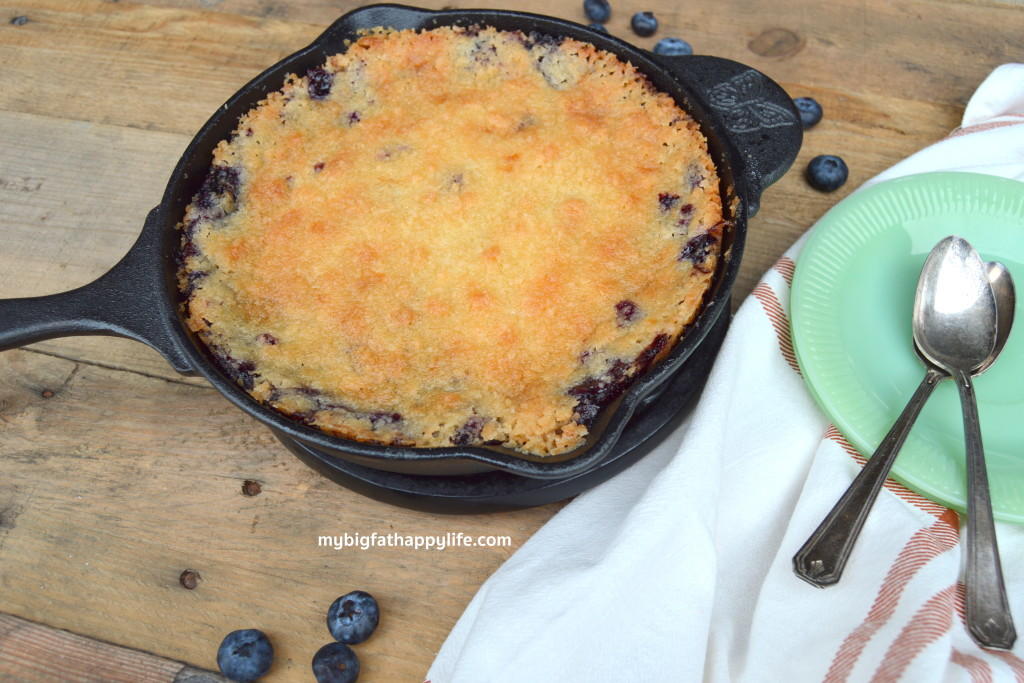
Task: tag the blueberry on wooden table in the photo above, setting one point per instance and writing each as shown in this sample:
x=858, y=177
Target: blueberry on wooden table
x=245, y=655
x=335, y=663
x=673, y=47
x=827, y=172
x=597, y=27
x=810, y=111
x=644, y=24
x=598, y=11
x=353, y=617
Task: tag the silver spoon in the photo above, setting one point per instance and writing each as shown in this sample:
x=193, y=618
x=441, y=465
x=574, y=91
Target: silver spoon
x=958, y=285
x=955, y=326
x=823, y=557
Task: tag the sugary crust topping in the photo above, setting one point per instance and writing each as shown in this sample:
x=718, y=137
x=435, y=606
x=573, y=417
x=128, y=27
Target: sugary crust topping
x=455, y=236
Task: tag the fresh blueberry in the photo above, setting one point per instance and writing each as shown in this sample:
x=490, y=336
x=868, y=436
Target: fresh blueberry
x=827, y=172
x=598, y=11
x=245, y=655
x=597, y=27
x=335, y=663
x=353, y=617
x=644, y=24
x=673, y=47
x=810, y=110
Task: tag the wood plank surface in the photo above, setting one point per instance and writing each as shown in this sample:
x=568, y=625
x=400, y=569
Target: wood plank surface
x=30, y=653
x=116, y=474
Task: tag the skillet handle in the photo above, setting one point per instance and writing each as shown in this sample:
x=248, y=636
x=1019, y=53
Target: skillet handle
x=347, y=27
x=758, y=116
x=130, y=300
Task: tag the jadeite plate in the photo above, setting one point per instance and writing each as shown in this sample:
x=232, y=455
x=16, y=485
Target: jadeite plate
x=852, y=301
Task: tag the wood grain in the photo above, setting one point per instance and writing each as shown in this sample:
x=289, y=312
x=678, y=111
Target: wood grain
x=116, y=473
x=30, y=653
x=102, y=516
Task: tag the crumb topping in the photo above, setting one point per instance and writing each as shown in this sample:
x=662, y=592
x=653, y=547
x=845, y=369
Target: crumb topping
x=452, y=237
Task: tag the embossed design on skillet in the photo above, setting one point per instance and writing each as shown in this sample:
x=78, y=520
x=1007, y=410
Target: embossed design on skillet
x=138, y=297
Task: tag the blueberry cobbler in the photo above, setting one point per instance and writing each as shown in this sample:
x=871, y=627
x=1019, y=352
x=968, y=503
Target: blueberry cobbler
x=453, y=237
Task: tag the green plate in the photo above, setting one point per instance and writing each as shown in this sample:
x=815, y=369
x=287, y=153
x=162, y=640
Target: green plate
x=852, y=300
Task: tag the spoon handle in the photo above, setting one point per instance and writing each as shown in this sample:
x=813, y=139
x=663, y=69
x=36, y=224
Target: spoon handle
x=822, y=558
x=988, y=610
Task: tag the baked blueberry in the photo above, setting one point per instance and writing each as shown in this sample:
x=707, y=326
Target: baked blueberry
x=644, y=24
x=673, y=47
x=593, y=394
x=810, y=111
x=194, y=279
x=651, y=351
x=469, y=432
x=320, y=82
x=335, y=663
x=383, y=418
x=598, y=11
x=626, y=312
x=698, y=248
x=685, y=215
x=545, y=40
x=245, y=655
x=353, y=617
x=827, y=172
x=484, y=52
x=221, y=181
x=240, y=371
x=694, y=176
x=666, y=200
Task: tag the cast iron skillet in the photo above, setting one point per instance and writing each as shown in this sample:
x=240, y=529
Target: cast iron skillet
x=753, y=133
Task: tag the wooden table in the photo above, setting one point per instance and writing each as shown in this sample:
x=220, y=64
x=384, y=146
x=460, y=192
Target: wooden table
x=116, y=473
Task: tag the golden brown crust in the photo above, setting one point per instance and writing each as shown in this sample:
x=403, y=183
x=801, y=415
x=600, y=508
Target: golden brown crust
x=453, y=236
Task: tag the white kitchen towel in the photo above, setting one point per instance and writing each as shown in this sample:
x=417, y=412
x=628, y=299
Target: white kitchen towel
x=680, y=568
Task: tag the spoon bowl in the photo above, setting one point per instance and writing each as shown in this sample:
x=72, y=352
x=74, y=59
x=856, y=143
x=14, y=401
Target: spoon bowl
x=1005, y=294
x=955, y=315
x=1006, y=301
